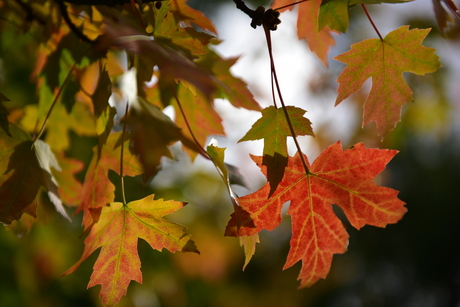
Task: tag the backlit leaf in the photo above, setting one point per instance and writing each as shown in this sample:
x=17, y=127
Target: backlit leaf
x=273, y=128
x=385, y=61
x=341, y=177
x=117, y=232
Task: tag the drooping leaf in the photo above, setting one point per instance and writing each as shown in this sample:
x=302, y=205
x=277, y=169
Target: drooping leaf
x=23, y=170
x=188, y=38
x=319, y=41
x=334, y=14
x=190, y=15
x=172, y=64
x=273, y=128
x=47, y=162
x=202, y=118
x=385, y=61
x=230, y=87
x=249, y=245
x=341, y=177
x=117, y=232
x=443, y=16
x=69, y=187
x=153, y=132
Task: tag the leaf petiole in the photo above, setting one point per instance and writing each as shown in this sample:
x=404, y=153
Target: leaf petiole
x=372, y=22
x=288, y=119
x=122, y=178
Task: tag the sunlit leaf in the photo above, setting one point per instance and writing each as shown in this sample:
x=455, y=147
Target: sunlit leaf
x=117, y=232
x=385, y=61
x=344, y=178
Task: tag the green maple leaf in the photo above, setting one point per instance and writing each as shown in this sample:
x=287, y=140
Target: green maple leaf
x=117, y=232
x=334, y=14
x=273, y=128
x=385, y=61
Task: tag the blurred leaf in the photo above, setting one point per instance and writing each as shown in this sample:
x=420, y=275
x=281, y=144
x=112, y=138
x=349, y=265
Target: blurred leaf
x=4, y=115
x=319, y=41
x=153, y=132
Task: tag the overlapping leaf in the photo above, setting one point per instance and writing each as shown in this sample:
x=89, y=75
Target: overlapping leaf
x=24, y=168
x=273, y=128
x=344, y=178
x=117, y=232
x=385, y=61
x=153, y=132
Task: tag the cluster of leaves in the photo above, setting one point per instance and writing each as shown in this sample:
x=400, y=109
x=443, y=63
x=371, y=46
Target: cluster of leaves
x=86, y=51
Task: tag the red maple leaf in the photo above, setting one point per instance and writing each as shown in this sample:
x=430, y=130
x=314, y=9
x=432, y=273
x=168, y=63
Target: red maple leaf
x=341, y=177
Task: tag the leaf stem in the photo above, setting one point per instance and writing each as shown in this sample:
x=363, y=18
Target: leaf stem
x=122, y=178
x=203, y=152
x=372, y=22
x=288, y=119
x=288, y=5
x=53, y=104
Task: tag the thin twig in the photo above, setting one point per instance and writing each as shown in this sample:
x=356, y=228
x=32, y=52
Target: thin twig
x=122, y=178
x=203, y=152
x=372, y=22
x=53, y=104
x=288, y=5
x=288, y=119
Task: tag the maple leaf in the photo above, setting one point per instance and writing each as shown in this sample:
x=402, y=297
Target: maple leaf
x=186, y=37
x=153, y=132
x=172, y=64
x=189, y=14
x=385, y=61
x=274, y=129
x=230, y=87
x=117, y=232
x=69, y=187
x=334, y=14
x=341, y=177
x=24, y=168
x=319, y=41
x=202, y=118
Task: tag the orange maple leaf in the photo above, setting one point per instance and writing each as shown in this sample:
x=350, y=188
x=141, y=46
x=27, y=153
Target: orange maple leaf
x=307, y=27
x=341, y=177
x=117, y=232
x=385, y=61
